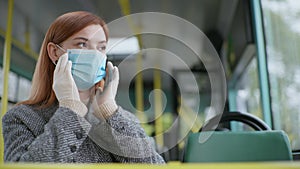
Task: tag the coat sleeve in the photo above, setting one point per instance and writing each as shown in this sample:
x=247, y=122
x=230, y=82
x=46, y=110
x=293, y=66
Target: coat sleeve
x=125, y=139
x=27, y=137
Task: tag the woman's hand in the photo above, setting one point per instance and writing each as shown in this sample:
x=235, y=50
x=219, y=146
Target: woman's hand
x=65, y=88
x=104, y=103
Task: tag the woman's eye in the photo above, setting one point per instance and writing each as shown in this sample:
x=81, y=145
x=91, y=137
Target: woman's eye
x=82, y=44
x=102, y=48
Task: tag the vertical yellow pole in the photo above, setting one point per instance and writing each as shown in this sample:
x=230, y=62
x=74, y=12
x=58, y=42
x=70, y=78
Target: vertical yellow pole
x=27, y=35
x=6, y=65
x=139, y=88
x=139, y=92
x=158, y=108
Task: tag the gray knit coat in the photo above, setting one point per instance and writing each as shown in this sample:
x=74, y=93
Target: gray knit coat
x=57, y=134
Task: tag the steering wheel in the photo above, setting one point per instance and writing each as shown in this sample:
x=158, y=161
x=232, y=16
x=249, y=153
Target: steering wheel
x=249, y=119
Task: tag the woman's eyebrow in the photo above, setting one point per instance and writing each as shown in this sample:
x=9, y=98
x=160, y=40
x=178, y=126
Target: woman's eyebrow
x=104, y=41
x=81, y=38
x=86, y=39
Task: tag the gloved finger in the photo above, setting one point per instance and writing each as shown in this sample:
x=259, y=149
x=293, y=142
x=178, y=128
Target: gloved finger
x=68, y=67
x=57, y=67
x=59, y=63
x=64, y=62
x=115, y=74
x=109, y=73
x=98, y=94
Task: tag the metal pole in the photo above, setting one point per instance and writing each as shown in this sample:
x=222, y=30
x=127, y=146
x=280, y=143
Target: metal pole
x=139, y=87
x=158, y=108
x=6, y=65
x=262, y=62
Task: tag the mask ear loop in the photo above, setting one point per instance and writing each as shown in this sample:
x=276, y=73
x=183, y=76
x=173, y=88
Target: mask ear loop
x=104, y=83
x=64, y=50
x=55, y=62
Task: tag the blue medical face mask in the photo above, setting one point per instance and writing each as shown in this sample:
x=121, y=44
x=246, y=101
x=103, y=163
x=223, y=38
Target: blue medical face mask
x=88, y=67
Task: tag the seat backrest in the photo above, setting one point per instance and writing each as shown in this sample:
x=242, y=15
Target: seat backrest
x=238, y=147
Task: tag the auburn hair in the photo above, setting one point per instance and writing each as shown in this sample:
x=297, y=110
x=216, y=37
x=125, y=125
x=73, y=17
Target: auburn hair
x=61, y=29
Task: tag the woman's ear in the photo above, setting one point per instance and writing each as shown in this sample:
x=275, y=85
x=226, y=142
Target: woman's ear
x=52, y=52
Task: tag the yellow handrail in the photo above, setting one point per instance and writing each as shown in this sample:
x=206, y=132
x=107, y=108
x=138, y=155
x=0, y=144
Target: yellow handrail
x=6, y=65
x=23, y=47
x=139, y=92
x=158, y=108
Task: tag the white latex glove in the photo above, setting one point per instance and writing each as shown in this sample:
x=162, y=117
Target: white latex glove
x=65, y=88
x=104, y=103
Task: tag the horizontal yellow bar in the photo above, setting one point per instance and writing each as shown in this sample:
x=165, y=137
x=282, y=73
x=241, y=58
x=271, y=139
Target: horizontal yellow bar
x=21, y=46
x=261, y=165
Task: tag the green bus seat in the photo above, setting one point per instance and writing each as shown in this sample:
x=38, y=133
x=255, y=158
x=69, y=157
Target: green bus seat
x=237, y=146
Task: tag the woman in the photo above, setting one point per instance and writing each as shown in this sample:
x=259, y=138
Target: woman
x=70, y=115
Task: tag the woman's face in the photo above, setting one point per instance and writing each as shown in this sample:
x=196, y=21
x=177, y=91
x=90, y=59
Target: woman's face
x=90, y=37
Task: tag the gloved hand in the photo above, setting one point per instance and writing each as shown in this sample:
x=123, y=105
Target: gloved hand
x=104, y=103
x=65, y=88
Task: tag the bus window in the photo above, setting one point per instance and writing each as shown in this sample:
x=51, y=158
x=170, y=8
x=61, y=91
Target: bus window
x=245, y=97
x=282, y=35
x=248, y=93
x=24, y=88
x=12, y=87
